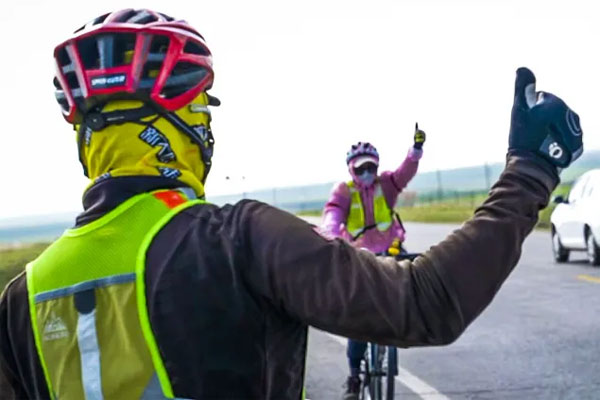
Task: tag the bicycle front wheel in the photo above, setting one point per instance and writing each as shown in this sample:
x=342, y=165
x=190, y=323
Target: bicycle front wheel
x=391, y=372
x=377, y=372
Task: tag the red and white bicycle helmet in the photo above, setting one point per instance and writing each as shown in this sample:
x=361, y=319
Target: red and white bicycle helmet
x=131, y=54
x=134, y=55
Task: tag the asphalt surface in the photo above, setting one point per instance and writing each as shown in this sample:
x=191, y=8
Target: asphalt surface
x=539, y=339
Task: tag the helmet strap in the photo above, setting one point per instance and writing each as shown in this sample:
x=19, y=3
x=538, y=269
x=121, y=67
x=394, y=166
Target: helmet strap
x=205, y=143
x=81, y=134
x=96, y=121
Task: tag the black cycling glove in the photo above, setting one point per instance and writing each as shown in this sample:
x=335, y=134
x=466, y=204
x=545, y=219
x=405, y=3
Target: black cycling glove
x=419, y=137
x=543, y=124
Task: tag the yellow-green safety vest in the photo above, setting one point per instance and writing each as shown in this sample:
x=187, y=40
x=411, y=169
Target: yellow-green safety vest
x=383, y=215
x=87, y=303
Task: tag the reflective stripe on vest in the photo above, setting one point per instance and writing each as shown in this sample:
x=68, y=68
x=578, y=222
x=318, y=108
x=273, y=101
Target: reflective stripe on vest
x=88, y=309
x=383, y=216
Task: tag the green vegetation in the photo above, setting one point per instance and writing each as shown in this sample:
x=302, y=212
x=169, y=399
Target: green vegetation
x=448, y=210
x=475, y=178
x=309, y=213
x=461, y=209
x=13, y=260
x=544, y=221
x=456, y=209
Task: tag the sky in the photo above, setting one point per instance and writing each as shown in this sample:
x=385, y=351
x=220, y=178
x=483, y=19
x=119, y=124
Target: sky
x=300, y=81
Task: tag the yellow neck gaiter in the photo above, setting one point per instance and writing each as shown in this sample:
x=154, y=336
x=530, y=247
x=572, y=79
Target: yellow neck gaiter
x=156, y=149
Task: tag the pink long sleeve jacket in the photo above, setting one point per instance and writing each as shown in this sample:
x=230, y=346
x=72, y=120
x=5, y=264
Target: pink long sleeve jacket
x=337, y=208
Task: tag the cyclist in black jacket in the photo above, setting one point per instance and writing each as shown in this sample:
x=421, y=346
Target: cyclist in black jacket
x=155, y=293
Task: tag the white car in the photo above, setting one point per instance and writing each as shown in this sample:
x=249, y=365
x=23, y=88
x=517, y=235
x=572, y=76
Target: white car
x=576, y=220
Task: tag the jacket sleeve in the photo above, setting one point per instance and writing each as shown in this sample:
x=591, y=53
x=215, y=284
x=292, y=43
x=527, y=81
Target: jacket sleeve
x=336, y=210
x=10, y=385
x=347, y=291
x=403, y=174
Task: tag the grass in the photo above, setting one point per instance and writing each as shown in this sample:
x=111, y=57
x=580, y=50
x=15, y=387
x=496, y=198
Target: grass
x=457, y=210
x=13, y=260
x=309, y=213
x=544, y=221
x=437, y=212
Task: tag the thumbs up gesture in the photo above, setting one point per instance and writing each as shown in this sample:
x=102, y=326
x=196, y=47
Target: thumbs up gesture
x=543, y=124
x=419, y=137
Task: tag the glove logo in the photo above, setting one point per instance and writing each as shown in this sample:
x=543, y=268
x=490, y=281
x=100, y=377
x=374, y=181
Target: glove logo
x=573, y=123
x=555, y=150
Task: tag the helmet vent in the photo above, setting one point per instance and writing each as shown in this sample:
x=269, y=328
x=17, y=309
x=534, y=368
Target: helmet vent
x=166, y=17
x=88, y=51
x=123, y=48
x=184, y=67
x=100, y=19
x=184, y=76
x=143, y=17
x=72, y=80
x=160, y=44
x=195, y=48
x=126, y=16
x=63, y=57
x=106, y=51
x=154, y=61
x=60, y=95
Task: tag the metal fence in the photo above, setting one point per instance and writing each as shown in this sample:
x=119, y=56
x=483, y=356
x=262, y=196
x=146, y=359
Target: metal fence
x=459, y=186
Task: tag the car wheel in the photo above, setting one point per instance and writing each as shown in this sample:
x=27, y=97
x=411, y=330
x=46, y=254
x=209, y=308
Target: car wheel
x=560, y=253
x=593, y=252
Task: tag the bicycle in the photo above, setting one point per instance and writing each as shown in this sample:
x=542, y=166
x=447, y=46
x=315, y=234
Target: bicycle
x=377, y=370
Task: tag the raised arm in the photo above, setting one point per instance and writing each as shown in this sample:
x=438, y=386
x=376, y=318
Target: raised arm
x=395, y=182
x=331, y=285
x=399, y=178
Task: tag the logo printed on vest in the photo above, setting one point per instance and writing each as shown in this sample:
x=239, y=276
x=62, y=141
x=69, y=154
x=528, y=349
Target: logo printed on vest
x=55, y=328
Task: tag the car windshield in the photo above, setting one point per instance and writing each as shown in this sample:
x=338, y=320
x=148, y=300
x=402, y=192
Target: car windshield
x=577, y=190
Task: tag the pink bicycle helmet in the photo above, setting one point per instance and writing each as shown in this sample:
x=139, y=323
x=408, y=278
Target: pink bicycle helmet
x=362, y=150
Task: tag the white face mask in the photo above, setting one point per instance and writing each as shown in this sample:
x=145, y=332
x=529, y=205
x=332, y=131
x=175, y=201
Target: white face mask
x=367, y=178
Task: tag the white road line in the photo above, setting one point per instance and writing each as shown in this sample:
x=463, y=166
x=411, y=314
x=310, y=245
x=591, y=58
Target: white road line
x=418, y=386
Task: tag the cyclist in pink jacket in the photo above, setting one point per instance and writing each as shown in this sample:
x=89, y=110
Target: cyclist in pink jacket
x=362, y=211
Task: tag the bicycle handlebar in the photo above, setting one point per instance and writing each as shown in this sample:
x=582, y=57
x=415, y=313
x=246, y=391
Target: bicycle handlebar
x=401, y=256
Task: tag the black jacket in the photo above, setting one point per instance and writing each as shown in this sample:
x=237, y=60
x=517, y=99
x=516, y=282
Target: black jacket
x=232, y=290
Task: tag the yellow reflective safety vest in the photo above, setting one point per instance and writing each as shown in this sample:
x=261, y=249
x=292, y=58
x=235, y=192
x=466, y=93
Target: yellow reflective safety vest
x=383, y=215
x=87, y=304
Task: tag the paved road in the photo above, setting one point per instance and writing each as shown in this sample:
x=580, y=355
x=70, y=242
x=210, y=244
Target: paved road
x=539, y=339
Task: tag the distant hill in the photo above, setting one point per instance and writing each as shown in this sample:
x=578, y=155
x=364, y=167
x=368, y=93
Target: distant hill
x=474, y=178
x=588, y=160
x=477, y=178
x=300, y=198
